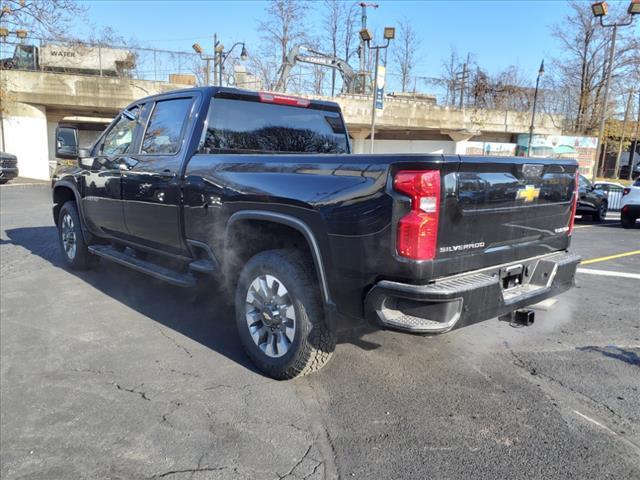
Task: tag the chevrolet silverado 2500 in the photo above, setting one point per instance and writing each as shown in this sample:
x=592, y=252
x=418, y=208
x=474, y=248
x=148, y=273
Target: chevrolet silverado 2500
x=260, y=191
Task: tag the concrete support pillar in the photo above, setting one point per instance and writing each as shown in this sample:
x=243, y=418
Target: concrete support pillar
x=359, y=142
x=25, y=136
x=460, y=139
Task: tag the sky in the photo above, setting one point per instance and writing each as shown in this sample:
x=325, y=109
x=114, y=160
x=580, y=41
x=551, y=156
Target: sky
x=499, y=33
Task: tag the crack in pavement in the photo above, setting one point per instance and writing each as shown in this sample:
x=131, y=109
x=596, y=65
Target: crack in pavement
x=164, y=418
x=528, y=366
x=175, y=342
x=142, y=394
x=298, y=463
x=189, y=470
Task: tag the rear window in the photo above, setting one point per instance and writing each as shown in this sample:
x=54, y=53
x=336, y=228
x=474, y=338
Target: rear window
x=251, y=127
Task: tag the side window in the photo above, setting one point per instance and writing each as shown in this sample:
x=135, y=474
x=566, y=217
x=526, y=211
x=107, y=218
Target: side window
x=584, y=183
x=165, y=126
x=119, y=138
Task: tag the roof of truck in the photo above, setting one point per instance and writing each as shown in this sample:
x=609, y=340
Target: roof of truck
x=230, y=92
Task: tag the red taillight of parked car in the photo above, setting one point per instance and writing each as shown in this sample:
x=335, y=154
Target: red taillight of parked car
x=572, y=219
x=418, y=230
x=625, y=191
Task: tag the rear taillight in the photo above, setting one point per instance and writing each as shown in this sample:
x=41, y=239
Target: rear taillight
x=283, y=99
x=575, y=203
x=418, y=229
x=625, y=191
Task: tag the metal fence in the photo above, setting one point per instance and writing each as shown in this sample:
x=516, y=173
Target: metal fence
x=614, y=195
x=100, y=60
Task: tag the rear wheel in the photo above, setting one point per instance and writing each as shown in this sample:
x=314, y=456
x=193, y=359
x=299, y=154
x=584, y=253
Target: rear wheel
x=627, y=220
x=72, y=244
x=279, y=314
x=601, y=214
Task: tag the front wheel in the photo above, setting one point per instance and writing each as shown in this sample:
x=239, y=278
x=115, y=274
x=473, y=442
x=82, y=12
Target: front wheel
x=279, y=314
x=601, y=214
x=72, y=245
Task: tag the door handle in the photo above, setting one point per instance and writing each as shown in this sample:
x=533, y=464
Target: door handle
x=127, y=163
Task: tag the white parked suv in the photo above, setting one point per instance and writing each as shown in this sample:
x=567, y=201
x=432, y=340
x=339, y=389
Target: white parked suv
x=630, y=207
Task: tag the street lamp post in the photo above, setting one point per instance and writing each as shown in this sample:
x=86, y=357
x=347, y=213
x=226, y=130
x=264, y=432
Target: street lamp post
x=634, y=145
x=600, y=9
x=222, y=57
x=366, y=37
x=219, y=57
x=535, y=102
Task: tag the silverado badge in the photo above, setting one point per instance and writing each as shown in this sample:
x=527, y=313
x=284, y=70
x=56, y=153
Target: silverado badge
x=528, y=193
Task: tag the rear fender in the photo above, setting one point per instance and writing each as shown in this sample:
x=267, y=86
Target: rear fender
x=307, y=233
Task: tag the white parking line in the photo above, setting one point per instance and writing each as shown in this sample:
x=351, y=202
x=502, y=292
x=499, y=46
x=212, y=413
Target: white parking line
x=609, y=273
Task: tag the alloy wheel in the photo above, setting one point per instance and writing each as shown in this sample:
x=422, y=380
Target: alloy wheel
x=270, y=315
x=69, y=241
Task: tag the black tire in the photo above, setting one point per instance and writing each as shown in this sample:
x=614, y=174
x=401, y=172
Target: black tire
x=601, y=215
x=313, y=342
x=3, y=181
x=627, y=221
x=70, y=232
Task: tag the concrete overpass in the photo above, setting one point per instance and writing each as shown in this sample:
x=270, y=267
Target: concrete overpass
x=34, y=103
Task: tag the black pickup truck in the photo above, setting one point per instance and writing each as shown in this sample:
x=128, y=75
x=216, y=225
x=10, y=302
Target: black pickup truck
x=259, y=192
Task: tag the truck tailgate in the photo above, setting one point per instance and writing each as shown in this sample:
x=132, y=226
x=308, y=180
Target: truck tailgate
x=500, y=209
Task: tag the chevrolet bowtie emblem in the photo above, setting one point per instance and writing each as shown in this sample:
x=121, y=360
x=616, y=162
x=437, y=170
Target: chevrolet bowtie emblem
x=528, y=193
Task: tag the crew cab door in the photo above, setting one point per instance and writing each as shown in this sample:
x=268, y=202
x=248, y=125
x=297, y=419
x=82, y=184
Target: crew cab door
x=151, y=182
x=102, y=196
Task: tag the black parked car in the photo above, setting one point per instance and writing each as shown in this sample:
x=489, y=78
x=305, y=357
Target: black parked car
x=591, y=201
x=8, y=167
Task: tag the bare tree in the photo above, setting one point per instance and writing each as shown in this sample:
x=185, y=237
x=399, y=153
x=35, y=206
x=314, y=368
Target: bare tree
x=41, y=18
x=505, y=90
x=580, y=71
x=450, y=68
x=349, y=33
x=333, y=12
x=338, y=30
x=405, y=51
x=283, y=28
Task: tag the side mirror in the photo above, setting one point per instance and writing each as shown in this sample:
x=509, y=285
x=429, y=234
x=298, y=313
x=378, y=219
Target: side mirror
x=84, y=158
x=67, y=142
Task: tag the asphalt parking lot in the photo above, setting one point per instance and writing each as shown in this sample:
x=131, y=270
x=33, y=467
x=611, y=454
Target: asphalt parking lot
x=109, y=374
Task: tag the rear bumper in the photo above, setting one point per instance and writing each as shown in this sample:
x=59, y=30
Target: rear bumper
x=462, y=300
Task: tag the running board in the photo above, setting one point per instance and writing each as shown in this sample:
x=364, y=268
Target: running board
x=144, y=266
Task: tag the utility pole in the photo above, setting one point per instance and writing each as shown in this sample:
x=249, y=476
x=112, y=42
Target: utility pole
x=616, y=172
x=605, y=100
x=215, y=58
x=600, y=10
x=363, y=46
x=463, y=80
x=634, y=145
